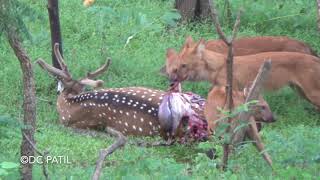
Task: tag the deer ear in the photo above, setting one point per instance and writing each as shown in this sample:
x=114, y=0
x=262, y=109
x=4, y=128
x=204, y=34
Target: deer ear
x=170, y=52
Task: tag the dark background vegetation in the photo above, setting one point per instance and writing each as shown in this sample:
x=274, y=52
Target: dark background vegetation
x=92, y=34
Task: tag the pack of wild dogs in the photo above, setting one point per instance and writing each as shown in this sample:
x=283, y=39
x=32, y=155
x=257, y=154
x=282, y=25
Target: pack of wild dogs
x=143, y=111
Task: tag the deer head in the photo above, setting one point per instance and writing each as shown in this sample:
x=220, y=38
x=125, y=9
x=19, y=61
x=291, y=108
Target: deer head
x=70, y=85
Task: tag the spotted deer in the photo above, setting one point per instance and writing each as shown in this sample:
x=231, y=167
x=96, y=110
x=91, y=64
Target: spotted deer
x=130, y=110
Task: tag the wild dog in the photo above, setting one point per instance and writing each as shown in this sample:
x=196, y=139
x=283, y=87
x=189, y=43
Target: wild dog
x=288, y=68
x=216, y=99
x=254, y=45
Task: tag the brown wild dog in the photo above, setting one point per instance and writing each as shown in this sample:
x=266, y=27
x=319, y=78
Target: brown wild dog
x=216, y=99
x=288, y=68
x=254, y=45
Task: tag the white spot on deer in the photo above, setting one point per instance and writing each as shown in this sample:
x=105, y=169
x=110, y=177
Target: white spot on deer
x=134, y=94
x=141, y=119
x=134, y=127
x=116, y=95
x=125, y=129
x=123, y=102
x=109, y=118
x=144, y=105
x=104, y=114
x=149, y=111
x=128, y=92
x=160, y=97
x=127, y=113
x=145, y=92
x=85, y=105
x=117, y=100
x=131, y=100
x=102, y=97
x=115, y=111
x=115, y=118
x=121, y=111
x=159, y=126
x=106, y=104
x=153, y=95
x=126, y=124
x=138, y=91
x=105, y=94
x=63, y=118
x=124, y=98
x=134, y=116
x=140, y=129
x=109, y=108
x=100, y=115
x=119, y=122
x=141, y=107
x=129, y=103
x=98, y=105
x=150, y=123
x=143, y=96
x=134, y=105
x=150, y=132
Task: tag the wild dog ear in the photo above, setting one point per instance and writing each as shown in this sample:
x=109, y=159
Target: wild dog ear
x=189, y=42
x=199, y=48
x=170, y=52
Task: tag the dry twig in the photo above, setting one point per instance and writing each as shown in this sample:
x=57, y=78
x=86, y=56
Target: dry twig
x=252, y=131
x=121, y=140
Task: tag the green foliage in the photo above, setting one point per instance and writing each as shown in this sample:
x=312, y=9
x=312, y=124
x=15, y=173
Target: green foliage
x=91, y=34
x=5, y=168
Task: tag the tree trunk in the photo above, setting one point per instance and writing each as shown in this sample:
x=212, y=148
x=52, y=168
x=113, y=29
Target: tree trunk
x=29, y=104
x=186, y=8
x=53, y=10
x=318, y=8
x=193, y=9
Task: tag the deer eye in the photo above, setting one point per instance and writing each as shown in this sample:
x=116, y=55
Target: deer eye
x=183, y=65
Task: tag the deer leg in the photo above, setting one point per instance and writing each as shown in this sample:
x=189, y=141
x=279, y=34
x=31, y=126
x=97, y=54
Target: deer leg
x=121, y=140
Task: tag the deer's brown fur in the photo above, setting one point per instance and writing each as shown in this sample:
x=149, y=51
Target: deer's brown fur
x=288, y=68
x=130, y=110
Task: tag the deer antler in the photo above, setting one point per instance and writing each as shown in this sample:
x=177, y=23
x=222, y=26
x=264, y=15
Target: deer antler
x=90, y=75
x=60, y=59
x=52, y=70
x=102, y=69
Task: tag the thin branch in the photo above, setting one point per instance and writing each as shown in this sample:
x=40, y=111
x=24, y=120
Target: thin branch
x=254, y=93
x=215, y=19
x=229, y=70
x=44, y=155
x=121, y=140
x=236, y=26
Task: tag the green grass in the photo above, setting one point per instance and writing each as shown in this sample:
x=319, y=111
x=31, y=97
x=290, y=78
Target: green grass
x=92, y=34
